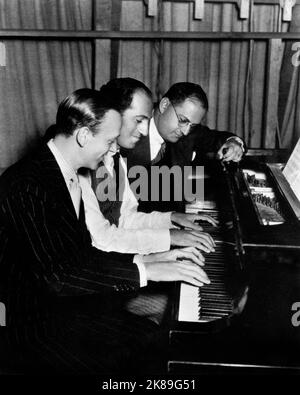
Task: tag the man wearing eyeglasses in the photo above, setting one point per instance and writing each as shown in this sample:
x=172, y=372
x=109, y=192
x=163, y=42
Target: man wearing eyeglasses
x=177, y=137
x=177, y=120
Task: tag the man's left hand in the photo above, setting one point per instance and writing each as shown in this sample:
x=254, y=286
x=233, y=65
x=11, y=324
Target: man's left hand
x=188, y=220
x=189, y=253
x=231, y=150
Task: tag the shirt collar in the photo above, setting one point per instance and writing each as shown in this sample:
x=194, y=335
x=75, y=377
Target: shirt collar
x=155, y=139
x=67, y=171
x=108, y=159
x=154, y=135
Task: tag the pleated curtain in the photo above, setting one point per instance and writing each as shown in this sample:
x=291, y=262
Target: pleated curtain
x=289, y=93
x=231, y=72
x=39, y=74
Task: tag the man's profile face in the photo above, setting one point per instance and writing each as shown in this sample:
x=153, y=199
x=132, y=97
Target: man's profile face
x=104, y=138
x=176, y=120
x=135, y=120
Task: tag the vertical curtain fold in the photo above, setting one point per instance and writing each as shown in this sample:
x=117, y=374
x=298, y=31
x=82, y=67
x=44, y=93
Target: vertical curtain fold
x=289, y=92
x=39, y=74
x=231, y=72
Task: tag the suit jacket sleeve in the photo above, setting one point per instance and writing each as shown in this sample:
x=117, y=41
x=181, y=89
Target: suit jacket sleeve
x=201, y=140
x=57, y=253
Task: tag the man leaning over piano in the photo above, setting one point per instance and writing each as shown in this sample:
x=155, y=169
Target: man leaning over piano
x=177, y=137
x=116, y=225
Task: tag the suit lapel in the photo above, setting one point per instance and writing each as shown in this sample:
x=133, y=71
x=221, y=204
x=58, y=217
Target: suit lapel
x=54, y=182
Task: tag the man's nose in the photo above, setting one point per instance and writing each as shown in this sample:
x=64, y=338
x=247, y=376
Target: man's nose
x=143, y=129
x=186, y=130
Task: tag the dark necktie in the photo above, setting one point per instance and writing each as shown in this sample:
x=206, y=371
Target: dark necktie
x=75, y=192
x=160, y=154
x=119, y=177
x=111, y=208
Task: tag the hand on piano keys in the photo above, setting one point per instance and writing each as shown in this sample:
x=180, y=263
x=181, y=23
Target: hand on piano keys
x=189, y=221
x=188, y=253
x=184, y=270
x=192, y=238
x=191, y=233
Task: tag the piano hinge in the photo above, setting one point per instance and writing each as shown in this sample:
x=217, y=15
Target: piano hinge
x=236, y=219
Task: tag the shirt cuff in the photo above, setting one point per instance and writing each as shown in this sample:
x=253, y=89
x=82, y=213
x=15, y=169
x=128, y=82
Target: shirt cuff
x=238, y=140
x=138, y=260
x=172, y=224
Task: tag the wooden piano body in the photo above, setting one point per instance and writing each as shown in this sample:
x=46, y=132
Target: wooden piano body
x=262, y=275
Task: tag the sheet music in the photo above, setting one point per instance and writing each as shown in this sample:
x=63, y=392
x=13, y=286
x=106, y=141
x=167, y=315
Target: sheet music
x=292, y=170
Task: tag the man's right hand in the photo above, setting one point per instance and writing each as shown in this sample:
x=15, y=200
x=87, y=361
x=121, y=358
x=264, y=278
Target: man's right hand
x=176, y=271
x=192, y=238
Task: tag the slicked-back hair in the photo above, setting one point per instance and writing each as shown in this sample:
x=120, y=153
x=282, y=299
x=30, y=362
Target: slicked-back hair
x=181, y=91
x=83, y=108
x=121, y=91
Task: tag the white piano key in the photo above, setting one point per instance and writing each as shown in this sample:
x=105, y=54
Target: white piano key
x=188, y=303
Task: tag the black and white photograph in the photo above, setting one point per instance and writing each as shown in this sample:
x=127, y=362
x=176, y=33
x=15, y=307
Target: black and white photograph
x=149, y=193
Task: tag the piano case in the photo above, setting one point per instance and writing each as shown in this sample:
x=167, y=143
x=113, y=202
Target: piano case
x=262, y=276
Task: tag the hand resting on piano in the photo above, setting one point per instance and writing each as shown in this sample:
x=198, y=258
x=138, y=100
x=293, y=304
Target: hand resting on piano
x=189, y=221
x=231, y=150
x=191, y=233
x=192, y=238
x=176, y=265
x=188, y=253
x=186, y=271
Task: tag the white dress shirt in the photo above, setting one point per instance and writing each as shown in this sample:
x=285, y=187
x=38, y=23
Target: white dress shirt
x=155, y=140
x=137, y=232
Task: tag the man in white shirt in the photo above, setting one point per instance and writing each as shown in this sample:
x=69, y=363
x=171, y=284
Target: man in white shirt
x=117, y=225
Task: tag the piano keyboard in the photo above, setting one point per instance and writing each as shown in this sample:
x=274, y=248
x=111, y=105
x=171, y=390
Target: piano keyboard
x=211, y=301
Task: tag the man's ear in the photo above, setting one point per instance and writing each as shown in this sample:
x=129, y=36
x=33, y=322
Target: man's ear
x=82, y=136
x=163, y=104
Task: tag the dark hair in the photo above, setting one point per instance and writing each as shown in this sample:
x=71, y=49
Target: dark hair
x=84, y=107
x=181, y=91
x=121, y=91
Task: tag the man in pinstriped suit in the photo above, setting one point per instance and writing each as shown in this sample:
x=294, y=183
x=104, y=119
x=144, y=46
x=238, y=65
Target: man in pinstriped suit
x=64, y=299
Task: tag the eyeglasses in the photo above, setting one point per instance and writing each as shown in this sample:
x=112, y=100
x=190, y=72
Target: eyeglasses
x=183, y=123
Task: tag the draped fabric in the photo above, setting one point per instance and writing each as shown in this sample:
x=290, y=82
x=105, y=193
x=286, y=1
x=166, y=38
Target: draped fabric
x=289, y=103
x=39, y=74
x=231, y=72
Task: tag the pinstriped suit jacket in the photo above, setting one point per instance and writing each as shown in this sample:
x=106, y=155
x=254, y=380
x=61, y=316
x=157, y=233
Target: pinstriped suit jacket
x=46, y=255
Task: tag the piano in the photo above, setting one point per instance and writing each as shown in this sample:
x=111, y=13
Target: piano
x=245, y=321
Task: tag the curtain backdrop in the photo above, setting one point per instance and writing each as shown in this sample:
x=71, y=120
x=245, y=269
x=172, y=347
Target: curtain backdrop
x=39, y=74
x=231, y=72
x=289, y=103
